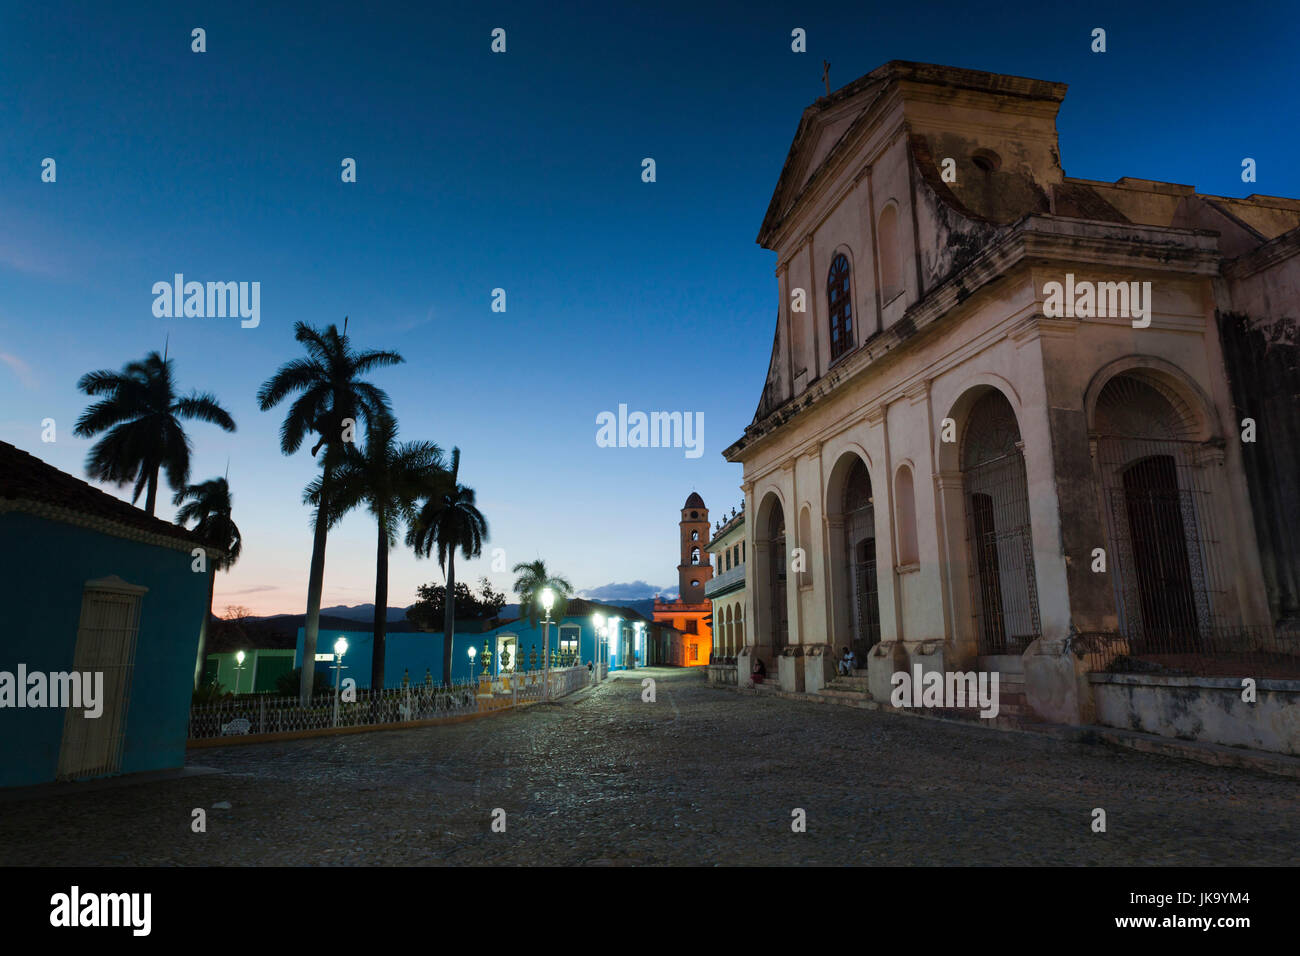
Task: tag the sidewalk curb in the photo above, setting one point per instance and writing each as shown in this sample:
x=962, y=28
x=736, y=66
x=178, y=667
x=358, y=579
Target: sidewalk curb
x=1216, y=755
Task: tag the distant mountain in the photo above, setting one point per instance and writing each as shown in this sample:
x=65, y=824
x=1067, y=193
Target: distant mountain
x=362, y=612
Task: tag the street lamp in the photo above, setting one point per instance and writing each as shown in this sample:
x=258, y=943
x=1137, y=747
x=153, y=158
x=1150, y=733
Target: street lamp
x=340, y=648
x=239, y=666
x=615, y=633
x=472, y=651
x=597, y=630
x=548, y=602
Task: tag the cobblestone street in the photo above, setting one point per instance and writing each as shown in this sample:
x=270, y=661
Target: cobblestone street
x=702, y=776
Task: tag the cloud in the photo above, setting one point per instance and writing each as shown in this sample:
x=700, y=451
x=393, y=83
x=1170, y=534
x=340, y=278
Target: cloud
x=21, y=369
x=255, y=590
x=628, y=591
x=23, y=259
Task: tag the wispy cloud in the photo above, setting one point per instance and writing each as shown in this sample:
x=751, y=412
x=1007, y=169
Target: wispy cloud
x=409, y=324
x=23, y=259
x=630, y=590
x=21, y=369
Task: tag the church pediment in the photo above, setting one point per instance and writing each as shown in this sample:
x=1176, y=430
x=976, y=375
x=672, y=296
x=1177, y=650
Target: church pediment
x=822, y=128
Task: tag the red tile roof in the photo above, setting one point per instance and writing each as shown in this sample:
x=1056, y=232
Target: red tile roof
x=24, y=477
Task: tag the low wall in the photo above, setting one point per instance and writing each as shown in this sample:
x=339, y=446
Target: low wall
x=1207, y=709
x=722, y=675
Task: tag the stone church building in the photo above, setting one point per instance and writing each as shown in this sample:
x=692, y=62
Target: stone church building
x=1004, y=412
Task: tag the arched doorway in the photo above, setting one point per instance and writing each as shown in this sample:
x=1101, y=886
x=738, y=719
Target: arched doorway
x=1004, y=595
x=1157, y=508
x=859, y=514
x=776, y=576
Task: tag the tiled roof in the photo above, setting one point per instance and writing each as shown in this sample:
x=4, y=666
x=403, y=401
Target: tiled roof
x=58, y=495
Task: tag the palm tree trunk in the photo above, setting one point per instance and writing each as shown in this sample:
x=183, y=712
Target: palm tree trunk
x=315, y=585
x=203, y=631
x=381, y=612
x=449, y=619
x=151, y=496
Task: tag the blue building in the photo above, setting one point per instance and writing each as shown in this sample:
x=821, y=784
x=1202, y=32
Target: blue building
x=635, y=641
x=92, y=586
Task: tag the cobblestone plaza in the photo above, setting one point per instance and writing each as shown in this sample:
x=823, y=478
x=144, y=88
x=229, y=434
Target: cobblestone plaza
x=700, y=776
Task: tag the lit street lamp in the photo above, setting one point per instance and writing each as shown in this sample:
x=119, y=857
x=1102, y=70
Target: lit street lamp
x=472, y=651
x=239, y=666
x=548, y=602
x=598, y=632
x=340, y=648
x=615, y=639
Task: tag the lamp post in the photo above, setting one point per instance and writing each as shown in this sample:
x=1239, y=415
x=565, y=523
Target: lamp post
x=597, y=630
x=615, y=640
x=472, y=651
x=239, y=666
x=548, y=602
x=340, y=648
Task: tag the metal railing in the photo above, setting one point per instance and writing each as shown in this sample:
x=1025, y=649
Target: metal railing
x=1225, y=651
x=253, y=714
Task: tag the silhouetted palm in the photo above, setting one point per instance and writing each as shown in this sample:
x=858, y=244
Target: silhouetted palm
x=142, y=417
x=331, y=402
x=449, y=520
x=388, y=479
x=208, y=504
x=533, y=579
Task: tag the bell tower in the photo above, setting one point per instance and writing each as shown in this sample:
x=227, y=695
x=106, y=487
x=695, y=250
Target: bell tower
x=694, y=569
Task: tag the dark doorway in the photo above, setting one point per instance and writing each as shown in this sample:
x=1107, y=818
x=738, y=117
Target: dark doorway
x=992, y=620
x=776, y=578
x=1159, y=543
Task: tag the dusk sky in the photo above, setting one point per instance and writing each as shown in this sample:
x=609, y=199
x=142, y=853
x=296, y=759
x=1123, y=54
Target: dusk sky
x=519, y=171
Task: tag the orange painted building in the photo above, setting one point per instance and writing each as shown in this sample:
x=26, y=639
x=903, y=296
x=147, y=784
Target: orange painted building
x=691, y=612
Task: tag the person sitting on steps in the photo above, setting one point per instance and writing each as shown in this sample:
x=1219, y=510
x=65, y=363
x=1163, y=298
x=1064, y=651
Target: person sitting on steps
x=848, y=662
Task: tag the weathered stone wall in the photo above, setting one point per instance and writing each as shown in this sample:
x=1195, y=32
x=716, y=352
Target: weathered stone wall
x=1205, y=709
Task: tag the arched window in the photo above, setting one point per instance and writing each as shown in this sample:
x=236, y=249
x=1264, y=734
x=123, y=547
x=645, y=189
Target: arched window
x=695, y=555
x=905, y=502
x=891, y=270
x=840, y=304
x=695, y=536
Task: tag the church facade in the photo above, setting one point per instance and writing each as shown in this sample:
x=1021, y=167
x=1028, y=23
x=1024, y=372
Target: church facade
x=1008, y=411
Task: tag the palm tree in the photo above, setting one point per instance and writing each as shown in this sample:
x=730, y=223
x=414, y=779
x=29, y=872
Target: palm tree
x=450, y=520
x=332, y=399
x=208, y=504
x=141, y=415
x=533, y=579
x=388, y=479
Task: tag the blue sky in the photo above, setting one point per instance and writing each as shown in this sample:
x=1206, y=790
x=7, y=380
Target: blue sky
x=519, y=171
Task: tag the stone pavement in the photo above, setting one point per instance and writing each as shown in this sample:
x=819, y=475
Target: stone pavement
x=701, y=776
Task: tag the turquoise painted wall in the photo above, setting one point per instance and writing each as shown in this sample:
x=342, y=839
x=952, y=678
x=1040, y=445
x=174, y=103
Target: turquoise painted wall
x=416, y=652
x=41, y=592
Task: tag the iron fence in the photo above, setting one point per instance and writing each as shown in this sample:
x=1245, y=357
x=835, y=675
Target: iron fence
x=1225, y=651
x=253, y=714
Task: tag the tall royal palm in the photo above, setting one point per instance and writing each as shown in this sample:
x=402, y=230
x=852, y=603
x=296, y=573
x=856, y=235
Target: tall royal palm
x=533, y=579
x=449, y=519
x=141, y=415
x=208, y=504
x=331, y=400
x=388, y=479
